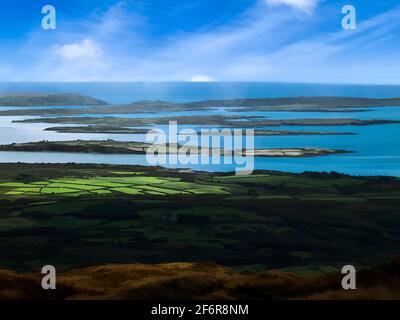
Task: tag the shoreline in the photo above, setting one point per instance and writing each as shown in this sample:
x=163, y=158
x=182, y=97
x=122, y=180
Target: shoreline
x=180, y=170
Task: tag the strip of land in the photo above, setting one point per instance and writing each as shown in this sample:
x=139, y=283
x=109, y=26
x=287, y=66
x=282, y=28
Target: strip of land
x=124, y=130
x=300, y=103
x=98, y=129
x=219, y=121
x=118, y=147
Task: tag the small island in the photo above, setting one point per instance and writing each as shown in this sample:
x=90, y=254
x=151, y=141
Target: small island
x=98, y=129
x=292, y=152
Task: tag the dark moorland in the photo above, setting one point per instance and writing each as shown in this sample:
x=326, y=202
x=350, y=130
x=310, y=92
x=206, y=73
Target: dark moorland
x=196, y=281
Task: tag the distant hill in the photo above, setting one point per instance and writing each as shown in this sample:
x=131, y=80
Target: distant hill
x=43, y=99
x=296, y=104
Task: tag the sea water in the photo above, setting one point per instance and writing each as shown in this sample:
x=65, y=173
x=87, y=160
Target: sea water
x=376, y=149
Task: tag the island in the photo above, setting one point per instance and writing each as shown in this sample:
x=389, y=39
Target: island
x=118, y=147
x=301, y=103
x=292, y=152
x=214, y=120
x=124, y=130
x=98, y=129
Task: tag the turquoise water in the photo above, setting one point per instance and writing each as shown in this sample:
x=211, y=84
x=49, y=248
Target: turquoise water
x=186, y=91
x=376, y=148
x=363, y=113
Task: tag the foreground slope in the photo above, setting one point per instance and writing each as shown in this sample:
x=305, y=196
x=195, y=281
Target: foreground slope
x=199, y=281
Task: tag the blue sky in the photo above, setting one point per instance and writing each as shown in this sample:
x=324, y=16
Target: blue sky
x=201, y=40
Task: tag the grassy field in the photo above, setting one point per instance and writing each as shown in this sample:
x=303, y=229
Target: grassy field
x=82, y=215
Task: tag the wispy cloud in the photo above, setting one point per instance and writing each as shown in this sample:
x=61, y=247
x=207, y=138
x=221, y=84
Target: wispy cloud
x=302, y=5
x=262, y=44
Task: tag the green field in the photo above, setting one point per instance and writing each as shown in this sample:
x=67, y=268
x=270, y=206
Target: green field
x=131, y=185
x=79, y=215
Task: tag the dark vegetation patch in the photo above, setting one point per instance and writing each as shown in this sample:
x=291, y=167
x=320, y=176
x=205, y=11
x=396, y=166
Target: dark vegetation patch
x=267, y=220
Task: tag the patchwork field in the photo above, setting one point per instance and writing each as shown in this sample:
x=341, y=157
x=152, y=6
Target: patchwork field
x=105, y=185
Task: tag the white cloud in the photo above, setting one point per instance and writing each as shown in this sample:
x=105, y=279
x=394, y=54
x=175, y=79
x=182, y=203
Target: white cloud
x=302, y=5
x=201, y=78
x=87, y=49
